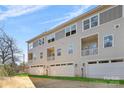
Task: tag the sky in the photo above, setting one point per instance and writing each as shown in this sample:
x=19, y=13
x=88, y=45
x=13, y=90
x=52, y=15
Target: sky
x=23, y=22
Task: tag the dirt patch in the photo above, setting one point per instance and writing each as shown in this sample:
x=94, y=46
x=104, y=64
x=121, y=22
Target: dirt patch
x=53, y=83
x=16, y=82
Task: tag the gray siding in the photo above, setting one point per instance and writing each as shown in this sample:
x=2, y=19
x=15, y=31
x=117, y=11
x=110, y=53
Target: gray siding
x=60, y=35
x=111, y=14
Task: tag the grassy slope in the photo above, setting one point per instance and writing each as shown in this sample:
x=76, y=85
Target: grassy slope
x=80, y=79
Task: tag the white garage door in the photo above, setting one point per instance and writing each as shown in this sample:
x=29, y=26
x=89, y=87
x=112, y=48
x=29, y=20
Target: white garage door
x=67, y=70
x=106, y=70
x=37, y=71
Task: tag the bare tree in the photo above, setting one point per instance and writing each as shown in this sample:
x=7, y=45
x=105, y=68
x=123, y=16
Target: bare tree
x=8, y=49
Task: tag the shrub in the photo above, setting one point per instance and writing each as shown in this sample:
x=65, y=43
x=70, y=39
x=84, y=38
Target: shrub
x=7, y=70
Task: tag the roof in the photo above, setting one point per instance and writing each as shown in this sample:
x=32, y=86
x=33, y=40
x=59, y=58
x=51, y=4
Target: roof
x=82, y=16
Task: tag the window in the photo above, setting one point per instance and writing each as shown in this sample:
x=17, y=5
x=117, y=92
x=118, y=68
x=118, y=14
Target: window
x=108, y=41
x=70, y=64
x=30, y=46
x=58, y=52
x=73, y=29
x=51, y=38
x=52, y=65
x=92, y=62
x=68, y=31
x=30, y=56
x=35, y=44
x=86, y=24
x=70, y=50
x=94, y=21
x=41, y=41
x=117, y=60
x=41, y=55
x=63, y=64
x=104, y=61
x=57, y=64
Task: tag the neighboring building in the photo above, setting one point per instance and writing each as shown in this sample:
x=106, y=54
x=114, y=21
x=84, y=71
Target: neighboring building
x=90, y=45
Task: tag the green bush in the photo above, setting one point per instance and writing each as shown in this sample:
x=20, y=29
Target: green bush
x=7, y=70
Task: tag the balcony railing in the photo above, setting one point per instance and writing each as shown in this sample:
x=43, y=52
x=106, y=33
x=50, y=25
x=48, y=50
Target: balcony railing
x=91, y=51
x=50, y=58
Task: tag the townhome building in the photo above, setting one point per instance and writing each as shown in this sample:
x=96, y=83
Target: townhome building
x=89, y=45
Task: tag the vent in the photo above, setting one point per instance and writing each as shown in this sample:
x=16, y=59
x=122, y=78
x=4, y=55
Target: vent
x=111, y=14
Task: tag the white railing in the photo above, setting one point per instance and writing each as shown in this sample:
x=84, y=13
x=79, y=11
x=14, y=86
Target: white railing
x=50, y=58
x=91, y=51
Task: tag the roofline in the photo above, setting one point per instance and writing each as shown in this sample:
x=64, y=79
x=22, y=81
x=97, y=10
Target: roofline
x=84, y=15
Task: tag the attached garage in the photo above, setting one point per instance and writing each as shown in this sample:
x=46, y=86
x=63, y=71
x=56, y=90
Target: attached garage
x=106, y=69
x=62, y=70
x=36, y=70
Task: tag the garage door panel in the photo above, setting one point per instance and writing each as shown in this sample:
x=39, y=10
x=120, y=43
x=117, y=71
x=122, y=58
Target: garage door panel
x=37, y=71
x=106, y=70
x=62, y=71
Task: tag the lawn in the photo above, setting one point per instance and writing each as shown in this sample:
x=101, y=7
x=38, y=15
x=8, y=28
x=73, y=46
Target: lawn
x=22, y=74
x=80, y=79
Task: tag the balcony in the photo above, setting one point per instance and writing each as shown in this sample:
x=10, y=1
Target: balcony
x=89, y=45
x=92, y=51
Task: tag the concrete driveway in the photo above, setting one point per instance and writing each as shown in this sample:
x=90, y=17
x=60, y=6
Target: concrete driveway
x=52, y=83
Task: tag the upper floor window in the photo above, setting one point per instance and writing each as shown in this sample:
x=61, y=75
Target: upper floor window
x=68, y=31
x=35, y=43
x=94, y=21
x=41, y=55
x=30, y=46
x=86, y=24
x=51, y=38
x=41, y=41
x=91, y=22
x=73, y=29
x=59, y=52
x=108, y=41
x=30, y=56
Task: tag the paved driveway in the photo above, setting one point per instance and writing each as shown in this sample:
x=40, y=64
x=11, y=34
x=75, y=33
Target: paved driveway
x=52, y=83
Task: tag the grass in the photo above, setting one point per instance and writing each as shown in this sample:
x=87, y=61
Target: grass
x=80, y=79
x=22, y=74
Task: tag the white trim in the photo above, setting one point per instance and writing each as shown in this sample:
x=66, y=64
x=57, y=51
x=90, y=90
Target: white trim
x=90, y=22
x=70, y=28
x=112, y=40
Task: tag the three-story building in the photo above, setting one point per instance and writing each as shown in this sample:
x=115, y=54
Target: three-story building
x=90, y=45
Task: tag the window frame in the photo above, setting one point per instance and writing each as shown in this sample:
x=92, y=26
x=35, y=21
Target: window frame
x=97, y=20
x=75, y=29
x=90, y=21
x=67, y=32
x=72, y=48
x=30, y=46
x=112, y=40
x=83, y=24
x=60, y=51
x=41, y=57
